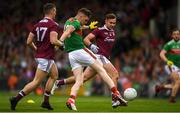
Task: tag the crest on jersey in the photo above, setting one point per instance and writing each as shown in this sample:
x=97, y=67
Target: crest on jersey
x=106, y=33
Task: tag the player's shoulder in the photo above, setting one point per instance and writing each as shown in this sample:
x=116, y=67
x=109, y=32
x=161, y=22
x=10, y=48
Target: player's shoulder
x=170, y=42
x=72, y=20
x=105, y=29
x=47, y=21
x=101, y=28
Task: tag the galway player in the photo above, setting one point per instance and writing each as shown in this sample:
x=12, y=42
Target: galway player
x=45, y=35
x=171, y=55
x=80, y=56
x=104, y=37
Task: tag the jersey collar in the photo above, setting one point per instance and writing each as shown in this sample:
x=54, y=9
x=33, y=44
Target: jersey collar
x=105, y=27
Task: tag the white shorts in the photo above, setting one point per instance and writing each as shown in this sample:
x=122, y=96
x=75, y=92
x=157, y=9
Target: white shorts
x=102, y=59
x=173, y=68
x=81, y=58
x=44, y=64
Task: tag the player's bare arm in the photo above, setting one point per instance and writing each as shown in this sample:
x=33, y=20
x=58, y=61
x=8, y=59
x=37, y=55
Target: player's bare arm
x=54, y=40
x=163, y=55
x=30, y=41
x=67, y=32
x=164, y=58
x=88, y=39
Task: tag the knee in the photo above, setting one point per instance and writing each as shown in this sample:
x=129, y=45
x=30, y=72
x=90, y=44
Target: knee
x=86, y=78
x=54, y=76
x=79, y=83
x=36, y=83
x=115, y=75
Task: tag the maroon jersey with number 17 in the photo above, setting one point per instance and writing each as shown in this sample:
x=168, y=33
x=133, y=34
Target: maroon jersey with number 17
x=42, y=38
x=105, y=39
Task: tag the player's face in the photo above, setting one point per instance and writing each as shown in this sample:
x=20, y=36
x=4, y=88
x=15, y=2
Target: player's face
x=54, y=13
x=110, y=23
x=176, y=35
x=84, y=20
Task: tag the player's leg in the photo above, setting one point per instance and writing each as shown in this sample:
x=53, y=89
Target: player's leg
x=113, y=73
x=78, y=73
x=175, y=87
x=160, y=87
x=103, y=74
x=39, y=76
x=88, y=74
x=49, y=84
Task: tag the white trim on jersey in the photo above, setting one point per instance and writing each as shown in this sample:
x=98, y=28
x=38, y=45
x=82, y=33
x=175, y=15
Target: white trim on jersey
x=104, y=27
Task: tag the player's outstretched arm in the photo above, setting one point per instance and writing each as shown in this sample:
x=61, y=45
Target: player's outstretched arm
x=67, y=33
x=92, y=25
x=30, y=41
x=87, y=41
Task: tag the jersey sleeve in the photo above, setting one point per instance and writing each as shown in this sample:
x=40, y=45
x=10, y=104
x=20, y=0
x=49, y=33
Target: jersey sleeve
x=95, y=32
x=166, y=47
x=54, y=28
x=33, y=30
x=76, y=25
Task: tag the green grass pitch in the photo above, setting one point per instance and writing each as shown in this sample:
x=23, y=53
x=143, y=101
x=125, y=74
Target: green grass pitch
x=89, y=104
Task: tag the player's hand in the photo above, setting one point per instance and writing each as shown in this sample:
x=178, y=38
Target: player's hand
x=61, y=43
x=94, y=48
x=169, y=63
x=93, y=25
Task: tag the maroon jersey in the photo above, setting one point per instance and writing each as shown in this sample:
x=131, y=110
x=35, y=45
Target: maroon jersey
x=105, y=39
x=42, y=38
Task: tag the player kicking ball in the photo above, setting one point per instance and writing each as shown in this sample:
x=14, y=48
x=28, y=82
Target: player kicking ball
x=104, y=37
x=171, y=55
x=80, y=56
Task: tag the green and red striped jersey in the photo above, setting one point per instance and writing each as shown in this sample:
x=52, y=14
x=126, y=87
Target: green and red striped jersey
x=173, y=51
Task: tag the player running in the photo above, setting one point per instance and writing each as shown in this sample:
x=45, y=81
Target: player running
x=171, y=55
x=104, y=37
x=80, y=56
x=45, y=34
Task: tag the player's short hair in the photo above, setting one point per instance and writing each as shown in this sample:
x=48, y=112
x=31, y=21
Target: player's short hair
x=48, y=7
x=85, y=11
x=174, y=29
x=110, y=16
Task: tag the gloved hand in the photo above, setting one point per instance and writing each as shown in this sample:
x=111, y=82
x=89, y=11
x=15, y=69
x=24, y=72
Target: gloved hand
x=93, y=25
x=169, y=62
x=94, y=48
x=56, y=47
x=59, y=46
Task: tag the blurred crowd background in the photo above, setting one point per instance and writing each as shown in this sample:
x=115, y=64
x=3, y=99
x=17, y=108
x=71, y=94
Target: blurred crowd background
x=142, y=29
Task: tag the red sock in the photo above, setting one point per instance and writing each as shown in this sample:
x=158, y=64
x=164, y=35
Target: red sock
x=60, y=82
x=73, y=97
x=115, y=91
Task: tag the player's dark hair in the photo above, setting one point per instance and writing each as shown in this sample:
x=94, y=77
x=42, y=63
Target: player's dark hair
x=48, y=7
x=110, y=16
x=85, y=11
x=174, y=29
x=171, y=29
